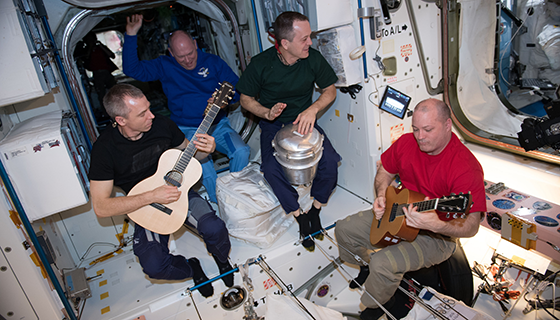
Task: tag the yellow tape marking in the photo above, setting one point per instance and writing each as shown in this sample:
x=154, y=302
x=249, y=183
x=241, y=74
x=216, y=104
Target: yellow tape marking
x=105, y=310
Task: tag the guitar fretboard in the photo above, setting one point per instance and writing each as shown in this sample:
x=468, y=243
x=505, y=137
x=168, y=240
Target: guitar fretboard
x=426, y=205
x=190, y=150
x=421, y=206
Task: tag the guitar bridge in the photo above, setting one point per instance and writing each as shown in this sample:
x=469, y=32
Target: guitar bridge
x=162, y=208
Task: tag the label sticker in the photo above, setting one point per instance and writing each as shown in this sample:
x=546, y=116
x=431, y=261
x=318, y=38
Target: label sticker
x=394, y=30
x=406, y=50
x=396, y=132
x=269, y=283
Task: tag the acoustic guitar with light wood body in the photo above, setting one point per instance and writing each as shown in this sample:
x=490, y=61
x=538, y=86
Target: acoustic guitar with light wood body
x=392, y=227
x=180, y=169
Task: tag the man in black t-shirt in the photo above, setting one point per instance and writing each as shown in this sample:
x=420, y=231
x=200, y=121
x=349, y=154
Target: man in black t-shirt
x=128, y=153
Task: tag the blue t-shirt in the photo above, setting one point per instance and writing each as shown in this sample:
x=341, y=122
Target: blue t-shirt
x=187, y=91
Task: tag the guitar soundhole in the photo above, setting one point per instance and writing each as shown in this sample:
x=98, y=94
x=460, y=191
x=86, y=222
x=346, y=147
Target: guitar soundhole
x=174, y=178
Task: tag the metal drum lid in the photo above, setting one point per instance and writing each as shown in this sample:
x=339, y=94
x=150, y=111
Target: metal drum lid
x=290, y=144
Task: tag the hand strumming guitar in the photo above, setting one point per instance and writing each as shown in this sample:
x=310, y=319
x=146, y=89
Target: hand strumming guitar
x=379, y=207
x=165, y=194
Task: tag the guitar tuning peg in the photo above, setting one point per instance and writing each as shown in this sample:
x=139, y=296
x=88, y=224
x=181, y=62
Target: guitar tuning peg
x=447, y=215
x=463, y=216
x=455, y=216
x=452, y=193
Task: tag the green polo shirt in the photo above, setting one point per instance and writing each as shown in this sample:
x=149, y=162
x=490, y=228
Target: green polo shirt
x=271, y=81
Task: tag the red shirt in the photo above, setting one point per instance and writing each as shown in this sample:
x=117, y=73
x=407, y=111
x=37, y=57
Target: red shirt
x=454, y=170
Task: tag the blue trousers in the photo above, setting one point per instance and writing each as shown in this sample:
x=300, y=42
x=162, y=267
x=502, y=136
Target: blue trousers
x=152, y=248
x=324, y=182
x=229, y=143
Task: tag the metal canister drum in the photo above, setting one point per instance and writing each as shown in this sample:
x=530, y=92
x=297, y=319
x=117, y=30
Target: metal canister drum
x=298, y=154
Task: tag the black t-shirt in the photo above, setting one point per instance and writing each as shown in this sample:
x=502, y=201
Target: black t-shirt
x=126, y=162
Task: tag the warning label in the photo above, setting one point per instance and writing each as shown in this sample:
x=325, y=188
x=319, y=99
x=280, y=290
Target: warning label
x=406, y=50
x=396, y=132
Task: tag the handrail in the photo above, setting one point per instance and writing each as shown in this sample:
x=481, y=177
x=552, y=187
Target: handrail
x=237, y=268
x=432, y=91
x=74, y=84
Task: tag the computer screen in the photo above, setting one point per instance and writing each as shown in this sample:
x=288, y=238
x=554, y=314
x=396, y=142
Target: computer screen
x=394, y=102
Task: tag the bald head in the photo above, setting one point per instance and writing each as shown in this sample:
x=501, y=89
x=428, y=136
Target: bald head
x=184, y=49
x=431, y=125
x=440, y=108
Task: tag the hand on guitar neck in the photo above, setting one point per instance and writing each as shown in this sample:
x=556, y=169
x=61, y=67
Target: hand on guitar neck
x=400, y=214
x=414, y=218
x=205, y=144
x=426, y=220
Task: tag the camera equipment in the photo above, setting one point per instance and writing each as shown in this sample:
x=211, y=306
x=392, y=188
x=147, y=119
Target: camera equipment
x=541, y=132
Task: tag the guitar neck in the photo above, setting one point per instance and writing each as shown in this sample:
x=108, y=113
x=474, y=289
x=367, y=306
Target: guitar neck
x=422, y=206
x=190, y=150
x=427, y=205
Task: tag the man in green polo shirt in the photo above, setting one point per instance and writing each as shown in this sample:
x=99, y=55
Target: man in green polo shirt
x=284, y=77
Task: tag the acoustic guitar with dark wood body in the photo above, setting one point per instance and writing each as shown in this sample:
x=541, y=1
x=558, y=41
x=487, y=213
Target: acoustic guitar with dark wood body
x=392, y=227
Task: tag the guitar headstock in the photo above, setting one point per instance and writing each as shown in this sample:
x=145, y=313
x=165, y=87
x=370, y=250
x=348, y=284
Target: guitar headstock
x=456, y=205
x=221, y=96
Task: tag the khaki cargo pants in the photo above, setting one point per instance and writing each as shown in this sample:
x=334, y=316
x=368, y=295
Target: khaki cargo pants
x=388, y=265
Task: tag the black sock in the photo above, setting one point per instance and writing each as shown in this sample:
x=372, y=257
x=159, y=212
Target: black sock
x=361, y=278
x=375, y=313
x=225, y=267
x=303, y=221
x=199, y=277
x=315, y=222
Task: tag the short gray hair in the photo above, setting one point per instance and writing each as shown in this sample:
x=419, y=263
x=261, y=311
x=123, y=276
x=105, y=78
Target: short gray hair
x=114, y=99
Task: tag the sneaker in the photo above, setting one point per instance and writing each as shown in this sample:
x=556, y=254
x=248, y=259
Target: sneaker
x=225, y=267
x=199, y=277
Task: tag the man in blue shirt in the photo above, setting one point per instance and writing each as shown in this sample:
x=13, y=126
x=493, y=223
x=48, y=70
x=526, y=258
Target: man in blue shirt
x=189, y=77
